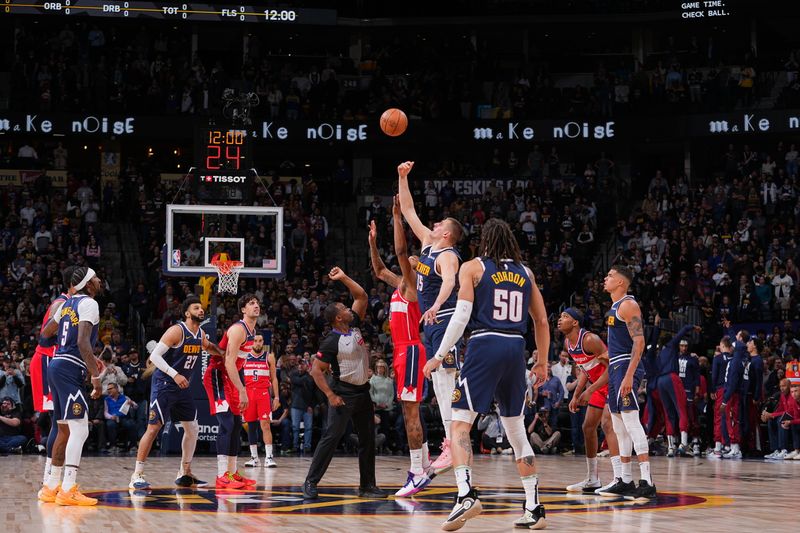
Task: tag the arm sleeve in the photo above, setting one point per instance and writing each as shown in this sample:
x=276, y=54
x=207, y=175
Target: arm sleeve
x=157, y=357
x=89, y=311
x=455, y=329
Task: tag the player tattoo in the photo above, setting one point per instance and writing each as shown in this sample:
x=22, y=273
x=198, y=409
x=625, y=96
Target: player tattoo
x=466, y=444
x=635, y=328
x=527, y=460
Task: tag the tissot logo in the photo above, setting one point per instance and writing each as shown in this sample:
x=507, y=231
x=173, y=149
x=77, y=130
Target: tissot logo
x=214, y=178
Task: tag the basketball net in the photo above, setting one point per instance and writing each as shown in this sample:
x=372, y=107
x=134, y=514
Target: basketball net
x=228, y=274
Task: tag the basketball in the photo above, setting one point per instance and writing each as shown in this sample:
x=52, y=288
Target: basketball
x=394, y=122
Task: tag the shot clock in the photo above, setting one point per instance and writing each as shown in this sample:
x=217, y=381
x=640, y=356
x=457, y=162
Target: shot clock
x=223, y=166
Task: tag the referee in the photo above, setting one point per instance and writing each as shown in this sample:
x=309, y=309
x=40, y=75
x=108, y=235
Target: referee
x=344, y=353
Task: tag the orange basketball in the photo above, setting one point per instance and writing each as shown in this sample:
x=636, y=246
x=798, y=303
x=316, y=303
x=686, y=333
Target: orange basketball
x=394, y=122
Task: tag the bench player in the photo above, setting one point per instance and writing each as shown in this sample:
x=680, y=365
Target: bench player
x=409, y=352
x=263, y=395
x=227, y=396
x=175, y=357
x=436, y=291
x=590, y=353
x=496, y=294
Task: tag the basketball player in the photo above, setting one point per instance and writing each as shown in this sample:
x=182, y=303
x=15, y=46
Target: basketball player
x=496, y=294
x=227, y=395
x=408, y=350
x=589, y=352
x=671, y=392
x=625, y=371
x=436, y=282
x=170, y=397
x=689, y=372
x=259, y=376
x=77, y=328
x=45, y=349
x=719, y=370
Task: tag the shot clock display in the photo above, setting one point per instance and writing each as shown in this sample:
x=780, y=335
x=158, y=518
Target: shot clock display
x=224, y=170
x=224, y=150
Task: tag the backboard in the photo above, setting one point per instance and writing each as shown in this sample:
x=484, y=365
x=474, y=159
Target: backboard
x=251, y=234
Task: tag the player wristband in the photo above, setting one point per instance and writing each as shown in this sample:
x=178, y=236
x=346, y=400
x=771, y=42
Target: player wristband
x=439, y=357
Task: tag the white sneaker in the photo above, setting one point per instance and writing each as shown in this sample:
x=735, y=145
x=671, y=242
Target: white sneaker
x=253, y=462
x=791, y=455
x=534, y=519
x=603, y=453
x=732, y=455
x=606, y=487
x=466, y=507
x=507, y=451
x=587, y=485
x=772, y=455
x=269, y=462
x=414, y=484
x=781, y=455
x=138, y=482
x=696, y=450
x=797, y=457
x=671, y=452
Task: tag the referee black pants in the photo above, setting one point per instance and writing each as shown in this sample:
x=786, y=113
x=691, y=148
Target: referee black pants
x=358, y=407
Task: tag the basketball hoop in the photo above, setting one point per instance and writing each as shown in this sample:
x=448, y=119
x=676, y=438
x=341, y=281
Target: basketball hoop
x=228, y=273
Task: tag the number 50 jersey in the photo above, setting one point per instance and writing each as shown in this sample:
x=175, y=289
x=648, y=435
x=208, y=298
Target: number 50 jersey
x=502, y=297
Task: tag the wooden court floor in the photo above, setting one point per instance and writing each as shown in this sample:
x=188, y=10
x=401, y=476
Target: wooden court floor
x=695, y=495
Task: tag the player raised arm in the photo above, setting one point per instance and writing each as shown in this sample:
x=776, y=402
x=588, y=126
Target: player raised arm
x=236, y=337
x=630, y=312
x=468, y=277
x=360, y=299
x=541, y=330
x=401, y=251
x=378, y=266
x=448, y=269
x=407, y=204
x=170, y=339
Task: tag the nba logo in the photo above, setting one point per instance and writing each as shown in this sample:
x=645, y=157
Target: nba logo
x=176, y=258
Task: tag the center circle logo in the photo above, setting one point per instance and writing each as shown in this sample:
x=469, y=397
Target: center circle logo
x=342, y=500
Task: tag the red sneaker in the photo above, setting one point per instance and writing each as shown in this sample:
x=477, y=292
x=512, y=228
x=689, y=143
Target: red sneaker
x=241, y=479
x=227, y=481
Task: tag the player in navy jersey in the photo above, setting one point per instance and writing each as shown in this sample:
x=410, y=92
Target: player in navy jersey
x=436, y=291
x=77, y=329
x=689, y=372
x=175, y=358
x=496, y=295
x=625, y=372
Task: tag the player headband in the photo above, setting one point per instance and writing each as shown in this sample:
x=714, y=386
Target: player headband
x=574, y=313
x=89, y=275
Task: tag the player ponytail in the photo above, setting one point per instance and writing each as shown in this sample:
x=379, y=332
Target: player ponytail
x=498, y=242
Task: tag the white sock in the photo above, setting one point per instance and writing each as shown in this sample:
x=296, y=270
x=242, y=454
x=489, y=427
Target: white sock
x=616, y=464
x=47, y=464
x=254, y=451
x=592, y=465
x=718, y=447
x=222, y=465
x=684, y=438
x=55, y=476
x=644, y=468
x=70, y=477
x=232, y=467
x=735, y=448
x=268, y=449
x=627, y=476
x=139, y=468
x=531, y=486
x=426, y=456
x=416, y=461
x=463, y=479
x=670, y=441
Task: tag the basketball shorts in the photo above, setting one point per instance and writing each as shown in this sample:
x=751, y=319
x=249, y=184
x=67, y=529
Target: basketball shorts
x=616, y=373
x=222, y=395
x=434, y=333
x=494, y=370
x=259, y=405
x=170, y=402
x=67, y=382
x=599, y=397
x=42, y=399
x=408, y=362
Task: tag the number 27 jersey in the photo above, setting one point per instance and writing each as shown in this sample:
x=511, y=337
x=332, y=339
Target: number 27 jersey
x=182, y=357
x=502, y=297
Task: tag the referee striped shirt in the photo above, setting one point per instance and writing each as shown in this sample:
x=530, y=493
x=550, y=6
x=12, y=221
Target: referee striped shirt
x=347, y=354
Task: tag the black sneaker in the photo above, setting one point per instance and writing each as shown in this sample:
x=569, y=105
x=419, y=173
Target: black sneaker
x=371, y=492
x=619, y=489
x=189, y=480
x=310, y=490
x=644, y=492
x=531, y=519
x=466, y=507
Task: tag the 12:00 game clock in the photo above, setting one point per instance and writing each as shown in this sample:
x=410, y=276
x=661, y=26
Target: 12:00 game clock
x=223, y=169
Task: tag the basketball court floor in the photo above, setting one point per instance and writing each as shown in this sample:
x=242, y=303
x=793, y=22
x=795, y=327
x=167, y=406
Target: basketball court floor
x=694, y=495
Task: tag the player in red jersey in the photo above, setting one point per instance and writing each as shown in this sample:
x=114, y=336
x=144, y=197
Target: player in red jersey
x=409, y=352
x=227, y=395
x=42, y=399
x=261, y=382
x=591, y=355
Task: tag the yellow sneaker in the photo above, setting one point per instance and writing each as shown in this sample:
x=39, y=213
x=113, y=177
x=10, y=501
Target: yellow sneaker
x=48, y=495
x=74, y=497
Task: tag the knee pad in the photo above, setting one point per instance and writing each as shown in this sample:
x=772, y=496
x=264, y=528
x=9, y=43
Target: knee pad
x=79, y=428
x=635, y=431
x=191, y=429
x=515, y=431
x=623, y=438
x=463, y=415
